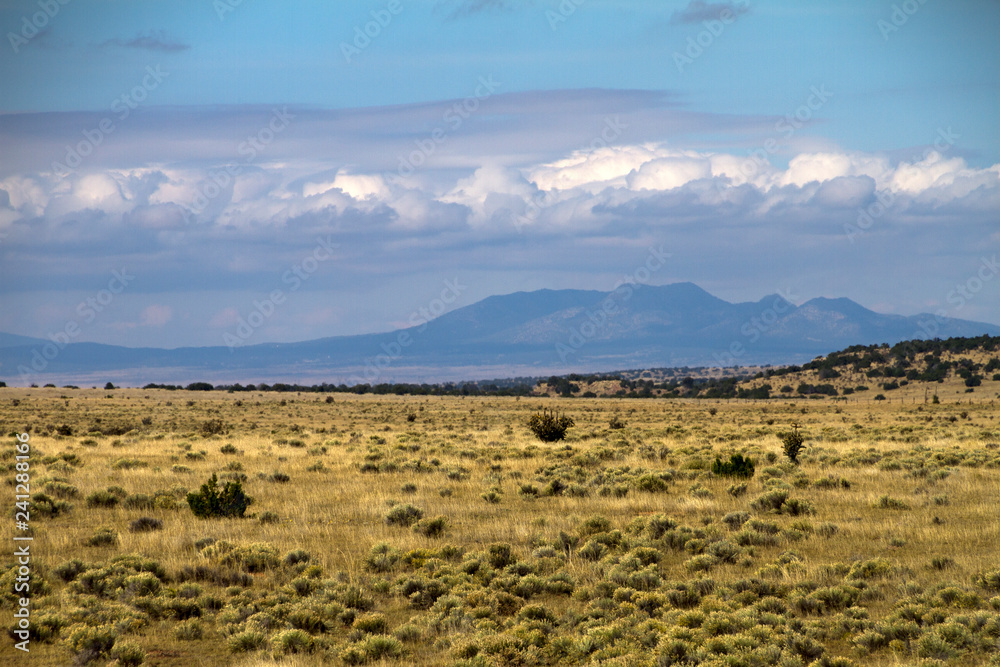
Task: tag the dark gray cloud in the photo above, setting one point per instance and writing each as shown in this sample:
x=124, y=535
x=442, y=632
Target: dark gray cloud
x=699, y=10
x=155, y=40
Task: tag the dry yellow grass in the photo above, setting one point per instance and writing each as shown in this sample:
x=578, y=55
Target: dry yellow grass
x=336, y=512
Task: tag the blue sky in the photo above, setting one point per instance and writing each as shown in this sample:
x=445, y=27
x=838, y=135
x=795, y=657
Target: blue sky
x=585, y=132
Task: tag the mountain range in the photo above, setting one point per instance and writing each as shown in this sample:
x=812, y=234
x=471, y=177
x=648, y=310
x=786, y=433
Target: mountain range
x=522, y=334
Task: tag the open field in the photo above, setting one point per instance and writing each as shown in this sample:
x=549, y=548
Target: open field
x=440, y=531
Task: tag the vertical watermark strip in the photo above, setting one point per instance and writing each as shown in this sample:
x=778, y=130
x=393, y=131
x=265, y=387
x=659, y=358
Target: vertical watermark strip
x=22, y=552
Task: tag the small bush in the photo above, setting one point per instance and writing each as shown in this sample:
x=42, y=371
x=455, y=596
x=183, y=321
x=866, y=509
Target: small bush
x=889, y=503
x=737, y=490
x=771, y=501
x=737, y=466
x=70, y=570
x=212, y=427
x=128, y=654
x=372, y=624
x=292, y=641
x=382, y=558
x=792, y=444
x=62, y=490
x=90, y=643
x=593, y=525
x=269, y=517
x=431, y=527
x=735, y=520
x=827, y=529
x=989, y=580
x=102, y=499
x=404, y=515
x=139, y=501
x=210, y=502
x=500, y=555
x=252, y=558
x=296, y=556
x=250, y=640
x=492, y=497
x=372, y=648
x=45, y=506
x=128, y=464
x=189, y=630
x=145, y=524
x=103, y=537
x=548, y=426
x=942, y=562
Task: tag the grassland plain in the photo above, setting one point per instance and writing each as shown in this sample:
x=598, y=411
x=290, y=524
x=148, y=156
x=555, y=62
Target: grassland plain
x=438, y=531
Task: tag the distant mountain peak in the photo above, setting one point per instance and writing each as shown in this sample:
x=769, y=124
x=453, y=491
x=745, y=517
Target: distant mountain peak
x=541, y=332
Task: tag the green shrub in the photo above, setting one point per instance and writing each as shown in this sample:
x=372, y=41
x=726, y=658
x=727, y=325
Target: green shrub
x=45, y=506
x=292, y=641
x=249, y=640
x=792, y=444
x=102, y=499
x=403, y=515
x=493, y=497
x=70, y=570
x=145, y=524
x=431, y=527
x=771, y=501
x=407, y=633
x=103, y=537
x=942, y=562
x=499, y=555
x=875, y=568
x=210, y=502
x=128, y=464
x=213, y=427
x=139, y=501
x=61, y=489
x=593, y=525
x=737, y=466
x=382, y=558
x=737, y=490
x=252, y=558
x=651, y=483
x=372, y=624
x=128, y=654
x=189, y=630
x=372, y=648
x=932, y=645
x=548, y=426
x=889, y=503
x=827, y=529
x=989, y=580
x=90, y=643
x=295, y=557
x=704, y=562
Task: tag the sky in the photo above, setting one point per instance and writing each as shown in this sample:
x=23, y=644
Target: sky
x=167, y=169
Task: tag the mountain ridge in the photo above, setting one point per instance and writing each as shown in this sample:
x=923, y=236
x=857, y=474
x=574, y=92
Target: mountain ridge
x=539, y=332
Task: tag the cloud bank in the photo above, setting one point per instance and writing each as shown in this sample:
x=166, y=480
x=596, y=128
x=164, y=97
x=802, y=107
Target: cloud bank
x=227, y=200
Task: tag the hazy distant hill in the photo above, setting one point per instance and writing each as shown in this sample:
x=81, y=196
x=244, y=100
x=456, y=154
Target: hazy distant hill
x=548, y=331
